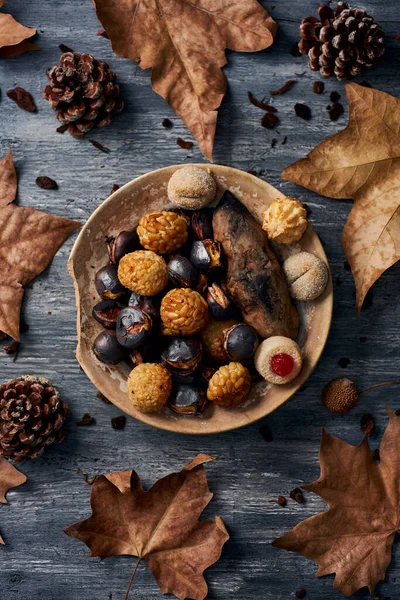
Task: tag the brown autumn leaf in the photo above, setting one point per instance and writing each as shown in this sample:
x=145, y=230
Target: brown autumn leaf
x=354, y=537
x=10, y=477
x=186, y=49
x=14, y=37
x=159, y=525
x=29, y=239
x=362, y=162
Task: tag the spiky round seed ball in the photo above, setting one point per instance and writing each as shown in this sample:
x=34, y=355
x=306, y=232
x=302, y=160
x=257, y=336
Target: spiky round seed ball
x=149, y=387
x=340, y=395
x=143, y=272
x=212, y=338
x=230, y=385
x=285, y=221
x=191, y=188
x=183, y=312
x=162, y=231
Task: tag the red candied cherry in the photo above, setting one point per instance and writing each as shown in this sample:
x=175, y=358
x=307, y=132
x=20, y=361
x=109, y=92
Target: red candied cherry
x=282, y=364
x=278, y=360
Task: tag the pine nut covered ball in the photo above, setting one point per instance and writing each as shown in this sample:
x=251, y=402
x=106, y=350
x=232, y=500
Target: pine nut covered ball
x=162, y=231
x=230, y=385
x=306, y=274
x=191, y=188
x=149, y=387
x=183, y=312
x=143, y=272
x=285, y=221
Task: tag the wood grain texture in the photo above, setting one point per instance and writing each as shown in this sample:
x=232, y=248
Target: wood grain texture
x=39, y=562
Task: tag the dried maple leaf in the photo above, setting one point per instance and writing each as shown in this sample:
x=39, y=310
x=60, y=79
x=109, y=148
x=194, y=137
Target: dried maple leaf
x=159, y=525
x=354, y=537
x=10, y=477
x=186, y=49
x=14, y=37
x=362, y=162
x=29, y=239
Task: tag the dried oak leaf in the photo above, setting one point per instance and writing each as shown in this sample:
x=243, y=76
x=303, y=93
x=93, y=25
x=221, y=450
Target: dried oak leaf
x=354, y=537
x=14, y=37
x=362, y=162
x=159, y=525
x=29, y=239
x=10, y=477
x=186, y=49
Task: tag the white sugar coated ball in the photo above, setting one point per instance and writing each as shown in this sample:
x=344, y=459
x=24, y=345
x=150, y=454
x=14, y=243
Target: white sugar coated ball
x=191, y=188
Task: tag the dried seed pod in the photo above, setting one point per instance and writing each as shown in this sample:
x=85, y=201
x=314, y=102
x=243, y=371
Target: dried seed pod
x=183, y=355
x=220, y=306
x=181, y=272
x=106, y=313
x=123, y=243
x=107, y=349
x=188, y=400
x=107, y=283
x=240, y=342
x=340, y=395
x=206, y=255
x=133, y=327
x=202, y=224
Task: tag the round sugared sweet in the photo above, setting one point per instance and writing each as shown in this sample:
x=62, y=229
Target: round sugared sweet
x=285, y=221
x=191, y=188
x=149, y=387
x=306, y=275
x=143, y=272
x=278, y=359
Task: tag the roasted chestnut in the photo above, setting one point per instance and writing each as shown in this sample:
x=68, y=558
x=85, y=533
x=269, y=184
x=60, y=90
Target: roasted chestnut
x=133, y=327
x=202, y=283
x=188, y=400
x=123, y=243
x=240, y=342
x=106, y=313
x=205, y=376
x=202, y=224
x=107, y=348
x=147, y=304
x=181, y=272
x=107, y=283
x=182, y=355
x=219, y=305
x=206, y=255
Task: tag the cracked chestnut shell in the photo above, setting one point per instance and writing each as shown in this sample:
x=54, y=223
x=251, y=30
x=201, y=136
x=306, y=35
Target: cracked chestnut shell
x=183, y=355
x=219, y=305
x=106, y=313
x=181, y=272
x=188, y=400
x=123, y=243
x=206, y=255
x=147, y=304
x=107, y=284
x=202, y=224
x=240, y=342
x=107, y=349
x=133, y=327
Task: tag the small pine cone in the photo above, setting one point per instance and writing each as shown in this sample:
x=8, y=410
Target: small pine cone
x=83, y=92
x=162, y=231
x=149, y=387
x=230, y=385
x=343, y=41
x=32, y=417
x=143, y=272
x=183, y=312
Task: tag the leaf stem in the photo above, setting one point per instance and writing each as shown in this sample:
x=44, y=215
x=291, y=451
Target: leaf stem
x=132, y=577
x=371, y=387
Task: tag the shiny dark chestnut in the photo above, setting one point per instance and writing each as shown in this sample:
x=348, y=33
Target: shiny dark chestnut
x=123, y=243
x=181, y=272
x=106, y=313
x=206, y=255
x=188, y=400
x=202, y=224
x=107, y=348
x=202, y=283
x=240, y=342
x=147, y=304
x=133, y=327
x=219, y=305
x=107, y=283
x=182, y=355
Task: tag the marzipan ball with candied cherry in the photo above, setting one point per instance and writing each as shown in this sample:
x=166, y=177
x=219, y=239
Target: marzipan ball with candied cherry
x=285, y=221
x=278, y=359
x=230, y=385
x=143, y=272
x=162, y=231
x=183, y=312
x=149, y=387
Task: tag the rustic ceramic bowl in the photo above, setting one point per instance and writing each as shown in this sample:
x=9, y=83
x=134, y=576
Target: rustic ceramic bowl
x=122, y=210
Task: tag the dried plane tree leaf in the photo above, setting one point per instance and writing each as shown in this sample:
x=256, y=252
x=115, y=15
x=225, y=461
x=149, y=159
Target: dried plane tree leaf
x=14, y=37
x=29, y=239
x=362, y=162
x=354, y=537
x=10, y=477
x=159, y=525
x=186, y=49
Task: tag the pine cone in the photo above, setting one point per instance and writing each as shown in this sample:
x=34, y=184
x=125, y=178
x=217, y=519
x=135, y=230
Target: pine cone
x=83, y=91
x=341, y=42
x=32, y=417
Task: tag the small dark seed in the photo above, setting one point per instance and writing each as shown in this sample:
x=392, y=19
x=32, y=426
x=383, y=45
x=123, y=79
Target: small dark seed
x=334, y=97
x=284, y=140
x=22, y=98
x=367, y=424
x=363, y=339
x=65, y=48
x=118, y=422
x=167, y=123
x=297, y=495
x=86, y=420
x=269, y=120
x=343, y=362
x=318, y=87
x=183, y=144
x=62, y=128
x=301, y=593
x=273, y=142
x=46, y=183
x=281, y=500
x=266, y=433
x=335, y=111
x=303, y=111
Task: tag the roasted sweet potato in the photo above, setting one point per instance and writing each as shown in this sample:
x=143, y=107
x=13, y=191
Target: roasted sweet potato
x=255, y=280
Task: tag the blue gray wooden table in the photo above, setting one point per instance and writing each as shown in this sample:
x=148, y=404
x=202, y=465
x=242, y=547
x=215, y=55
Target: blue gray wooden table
x=39, y=562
